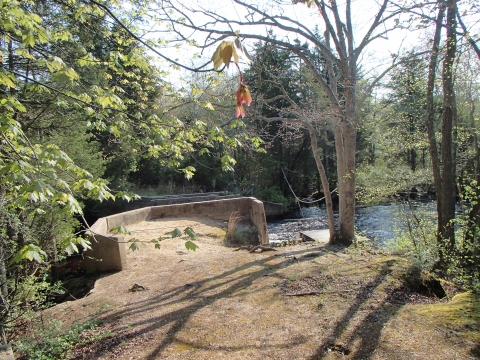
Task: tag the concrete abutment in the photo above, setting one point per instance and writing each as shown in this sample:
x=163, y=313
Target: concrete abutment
x=108, y=252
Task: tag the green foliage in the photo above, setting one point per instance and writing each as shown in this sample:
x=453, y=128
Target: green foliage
x=72, y=245
x=191, y=246
x=272, y=194
x=379, y=182
x=418, y=241
x=464, y=263
x=134, y=243
x=34, y=291
x=120, y=230
x=174, y=233
x=189, y=231
x=80, y=99
x=49, y=340
x=29, y=252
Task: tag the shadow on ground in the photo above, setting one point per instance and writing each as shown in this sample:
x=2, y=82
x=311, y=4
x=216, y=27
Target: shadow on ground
x=347, y=335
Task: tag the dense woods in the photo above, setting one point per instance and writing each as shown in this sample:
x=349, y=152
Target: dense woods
x=104, y=100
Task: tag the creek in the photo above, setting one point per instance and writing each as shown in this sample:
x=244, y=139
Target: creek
x=379, y=222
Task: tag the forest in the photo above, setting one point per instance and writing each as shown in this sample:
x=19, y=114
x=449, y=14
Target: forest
x=103, y=101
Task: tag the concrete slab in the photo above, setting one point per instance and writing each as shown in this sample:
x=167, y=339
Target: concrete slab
x=322, y=236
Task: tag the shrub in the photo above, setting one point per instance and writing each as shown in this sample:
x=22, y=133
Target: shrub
x=272, y=194
x=417, y=239
x=50, y=340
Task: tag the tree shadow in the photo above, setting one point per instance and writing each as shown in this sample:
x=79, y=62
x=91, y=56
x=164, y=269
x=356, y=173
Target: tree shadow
x=203, y=293
x=368, y=331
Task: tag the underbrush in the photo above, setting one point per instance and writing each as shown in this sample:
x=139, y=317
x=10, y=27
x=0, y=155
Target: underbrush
x=50, y=339
x=419, y=243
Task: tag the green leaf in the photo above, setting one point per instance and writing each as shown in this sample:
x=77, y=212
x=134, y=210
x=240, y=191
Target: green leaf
x=189, y=231
x=28, y=39
x=134, y=246
x=156, y=242
x=120, y=230
x=29, y=252
x=191, y=246
x=71, y=248
x=5, y=80
x=66, y=75
x=203, y=151
x=208, y=105
x=189, y=171
x=71, y=244
x=174, y=233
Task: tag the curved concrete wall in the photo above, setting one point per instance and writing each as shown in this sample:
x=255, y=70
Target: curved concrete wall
x=108, y=252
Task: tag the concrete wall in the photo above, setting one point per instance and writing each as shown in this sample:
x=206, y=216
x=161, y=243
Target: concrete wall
x=108, y=252
x=246, y=207
x=273, y=209
x=147, y=201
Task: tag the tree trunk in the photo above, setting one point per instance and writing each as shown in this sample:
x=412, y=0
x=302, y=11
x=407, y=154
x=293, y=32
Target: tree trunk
x=431, y=111
x=448, y=193
x=412, y=156
x=3, y=295
x=345, y=142
x=323, y=177
x=472, y=237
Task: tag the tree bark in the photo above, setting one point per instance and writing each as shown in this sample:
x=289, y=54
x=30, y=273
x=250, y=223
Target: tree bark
x=324, y=179
x=431, y=110
x=449, y=181
x=345, y=143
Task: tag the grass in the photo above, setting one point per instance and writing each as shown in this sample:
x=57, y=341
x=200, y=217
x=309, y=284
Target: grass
x=240, y=233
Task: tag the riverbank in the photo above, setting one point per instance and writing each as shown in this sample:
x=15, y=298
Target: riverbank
x=306, y=301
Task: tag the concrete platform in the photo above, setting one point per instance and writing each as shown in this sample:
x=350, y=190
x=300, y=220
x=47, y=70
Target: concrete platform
x=322, y=236
x=108, y=252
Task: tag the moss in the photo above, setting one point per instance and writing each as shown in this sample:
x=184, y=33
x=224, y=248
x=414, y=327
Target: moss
x=461, y=315
x=182, y=346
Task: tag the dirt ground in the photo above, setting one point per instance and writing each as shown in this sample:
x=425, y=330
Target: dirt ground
x=306, y=301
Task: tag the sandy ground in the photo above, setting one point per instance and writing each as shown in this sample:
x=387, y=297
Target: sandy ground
x=217, y=303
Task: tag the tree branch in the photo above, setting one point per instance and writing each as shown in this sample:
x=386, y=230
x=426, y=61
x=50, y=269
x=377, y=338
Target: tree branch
x=124, y=27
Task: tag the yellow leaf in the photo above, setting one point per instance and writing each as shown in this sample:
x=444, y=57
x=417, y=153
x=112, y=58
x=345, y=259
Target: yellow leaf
x=216, y=57
x=227, y=52
x=235, y=55
x=223, y=54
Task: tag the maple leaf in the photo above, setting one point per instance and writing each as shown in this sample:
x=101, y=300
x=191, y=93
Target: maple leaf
x=223, y=54
x=243, y=97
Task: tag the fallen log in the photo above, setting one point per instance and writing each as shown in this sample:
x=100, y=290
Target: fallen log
x=318, y=292
x=252, y=249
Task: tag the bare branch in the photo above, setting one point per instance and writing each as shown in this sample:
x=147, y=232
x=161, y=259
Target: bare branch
x=370, y=31
x=385, y=72
x=146, y=44
x=466, y=35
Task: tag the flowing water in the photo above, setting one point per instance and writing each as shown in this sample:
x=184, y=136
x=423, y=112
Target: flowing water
x=380, y=222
